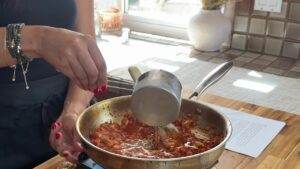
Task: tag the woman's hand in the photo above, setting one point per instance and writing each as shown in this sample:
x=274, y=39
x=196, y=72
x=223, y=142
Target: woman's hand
x=63, y=137
x=74, y=54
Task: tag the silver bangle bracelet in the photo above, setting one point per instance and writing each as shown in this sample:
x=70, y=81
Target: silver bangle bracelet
x=13, y=44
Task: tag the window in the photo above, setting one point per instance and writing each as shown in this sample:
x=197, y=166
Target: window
x=159, y=17
x=171, y=12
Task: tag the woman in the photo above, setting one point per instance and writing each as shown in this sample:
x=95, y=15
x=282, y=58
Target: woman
x=59, y=36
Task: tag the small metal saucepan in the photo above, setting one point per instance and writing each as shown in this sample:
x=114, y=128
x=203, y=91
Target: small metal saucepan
x=156, y=96
x=112, y=110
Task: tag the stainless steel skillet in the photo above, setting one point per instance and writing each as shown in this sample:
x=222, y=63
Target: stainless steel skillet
x=114, y=109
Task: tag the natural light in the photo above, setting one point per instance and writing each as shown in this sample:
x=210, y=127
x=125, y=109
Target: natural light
x=255, y=74
x=175, y=12
x=162, y=66
x=180, y=59
x=257, y=86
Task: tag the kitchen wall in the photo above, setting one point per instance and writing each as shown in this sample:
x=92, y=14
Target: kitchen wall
x=268, y=33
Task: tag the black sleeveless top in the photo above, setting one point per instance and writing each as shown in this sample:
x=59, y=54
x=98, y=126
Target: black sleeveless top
x=26, y=115
x=55, y=13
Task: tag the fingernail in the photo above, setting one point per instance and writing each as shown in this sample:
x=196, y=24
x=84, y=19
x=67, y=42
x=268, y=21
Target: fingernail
x=96, y=92
x=104, y=88
x=58, y=124
x=80, y=146
x=57, y=135
x=54, y=126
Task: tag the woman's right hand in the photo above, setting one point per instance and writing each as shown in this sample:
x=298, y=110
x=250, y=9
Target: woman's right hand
x=74, y=54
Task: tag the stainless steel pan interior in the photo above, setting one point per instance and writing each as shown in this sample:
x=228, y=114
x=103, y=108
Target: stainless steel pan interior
x=114, y=109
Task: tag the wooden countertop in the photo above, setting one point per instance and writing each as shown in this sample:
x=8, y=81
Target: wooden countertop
x=282, y=153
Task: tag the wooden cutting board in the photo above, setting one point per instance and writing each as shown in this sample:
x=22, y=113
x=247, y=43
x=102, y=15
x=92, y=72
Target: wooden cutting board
x=282, y=153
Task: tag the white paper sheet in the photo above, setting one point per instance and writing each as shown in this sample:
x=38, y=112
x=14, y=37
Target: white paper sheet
x=251, y=134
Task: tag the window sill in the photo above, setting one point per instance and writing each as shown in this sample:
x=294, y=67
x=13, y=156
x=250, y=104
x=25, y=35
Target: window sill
x=150, y=38
x=155, y=27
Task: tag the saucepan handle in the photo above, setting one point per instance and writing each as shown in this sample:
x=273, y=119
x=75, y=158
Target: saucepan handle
x=210, y=79
x=134, y=72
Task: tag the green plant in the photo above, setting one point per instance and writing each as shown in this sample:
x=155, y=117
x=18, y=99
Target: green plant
x=214, y=4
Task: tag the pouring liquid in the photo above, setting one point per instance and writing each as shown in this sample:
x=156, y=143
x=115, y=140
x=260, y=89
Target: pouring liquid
x=162, y=133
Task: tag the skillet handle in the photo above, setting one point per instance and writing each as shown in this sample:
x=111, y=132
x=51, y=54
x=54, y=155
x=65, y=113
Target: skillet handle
x=134, y=72
x=215, y=75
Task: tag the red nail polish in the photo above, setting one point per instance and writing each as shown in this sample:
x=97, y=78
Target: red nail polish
x=57, y=135
x=104, y=88
x=80, y=146
x=96, y=92
x=58, y=124
x=99, y=89
x=53, y=126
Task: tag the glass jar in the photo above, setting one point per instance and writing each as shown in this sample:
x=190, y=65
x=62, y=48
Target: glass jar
x=108, y=15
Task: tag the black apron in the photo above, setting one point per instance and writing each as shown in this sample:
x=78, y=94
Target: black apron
x=25, y=116
x=25, y=120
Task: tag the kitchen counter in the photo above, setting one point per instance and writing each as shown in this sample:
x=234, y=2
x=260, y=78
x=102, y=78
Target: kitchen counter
x=283, y=152
x=254, y=92
x=255, y=87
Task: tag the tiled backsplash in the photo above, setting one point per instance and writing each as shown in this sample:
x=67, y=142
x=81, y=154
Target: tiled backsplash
x=268, y=33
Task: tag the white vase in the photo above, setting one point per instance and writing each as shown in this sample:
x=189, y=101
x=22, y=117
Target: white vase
x=208, y=29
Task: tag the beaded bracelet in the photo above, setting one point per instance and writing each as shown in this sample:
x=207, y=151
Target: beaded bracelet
x=13, y=44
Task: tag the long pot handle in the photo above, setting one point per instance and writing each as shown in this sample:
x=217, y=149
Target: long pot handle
x=210, y=79
x=134, y=72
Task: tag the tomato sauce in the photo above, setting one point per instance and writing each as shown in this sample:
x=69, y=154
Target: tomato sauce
x=135, y=139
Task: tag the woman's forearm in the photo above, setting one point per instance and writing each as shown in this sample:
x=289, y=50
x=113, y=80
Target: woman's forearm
x=77, y=99
x=74, y=54
x=85, y=17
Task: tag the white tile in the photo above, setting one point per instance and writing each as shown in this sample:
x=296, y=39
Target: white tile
x=268, y=57
x=296, y=69
x=274, y=71
x=244, y=59
x=251, y=54
x=234, y=52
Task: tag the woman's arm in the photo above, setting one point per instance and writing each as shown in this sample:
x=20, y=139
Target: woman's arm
x=30, y=45
x=77, y=99
x=74, y=54
x=85, y=17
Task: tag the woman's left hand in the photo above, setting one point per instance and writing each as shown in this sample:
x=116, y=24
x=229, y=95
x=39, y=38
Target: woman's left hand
x=63, y=137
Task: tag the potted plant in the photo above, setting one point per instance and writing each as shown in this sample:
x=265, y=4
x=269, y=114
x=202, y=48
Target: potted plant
x=209, y=28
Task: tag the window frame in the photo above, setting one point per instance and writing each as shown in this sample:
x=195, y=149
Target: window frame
x=151, y=26
x=157, y=27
